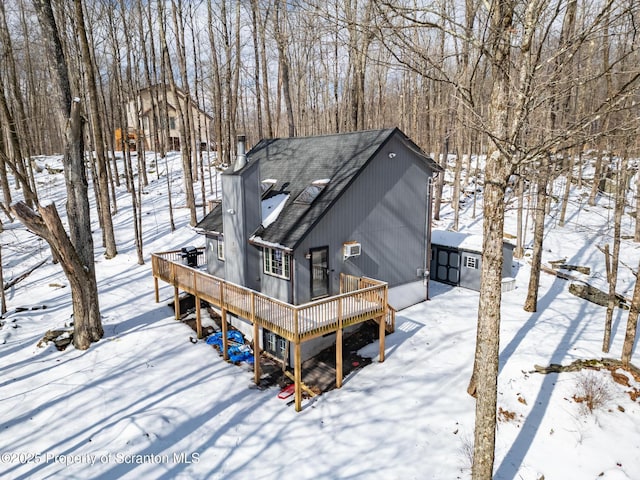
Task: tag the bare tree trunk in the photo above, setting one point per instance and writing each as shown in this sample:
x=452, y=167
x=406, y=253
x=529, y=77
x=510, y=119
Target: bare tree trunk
x=104, y=209
x=476, y=177
x=198, y=139
x=567, y=191
x=558, y=104
x=531, y=302
x=4, y=180
x=518, y=252
x=16, y=148
x=112, y=170
x=186, y=158
x=75, y=252
x=132, y=86
x=22, y=124
x=440, y=179
x=265, y=76
x=485, y=373
x=632, y=323
x=502, y=115
x=636, y=233
x=172, y=223
x=283, y=59
x=580, y=165
x=359, y=41
x=256, y=59
x=3, y=297
x=613, y=262
x=47, y=225
x=455, y=197
x=223, y=156
x=597, y=174
x=164, y=111
x=228, y=126
x=607, y=75
x=152, y=128
x=185, y=108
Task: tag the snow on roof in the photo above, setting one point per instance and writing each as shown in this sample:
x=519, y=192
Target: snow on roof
x=464, y=241
x=271, y=208
x=322, y=181
x=256, y=239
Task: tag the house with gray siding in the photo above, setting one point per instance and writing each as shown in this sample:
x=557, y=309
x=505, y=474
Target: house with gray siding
x=296, y=213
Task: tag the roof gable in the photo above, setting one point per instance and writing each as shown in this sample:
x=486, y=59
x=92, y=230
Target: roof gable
x=296, y=163
x=300, y=162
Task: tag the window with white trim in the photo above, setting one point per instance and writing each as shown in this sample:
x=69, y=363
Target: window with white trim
x=221, y=248
x=274, y=344
x=471, y=262
x=276, y=263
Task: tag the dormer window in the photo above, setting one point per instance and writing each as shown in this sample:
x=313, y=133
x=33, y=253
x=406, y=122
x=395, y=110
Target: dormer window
x=311, y=192
x=267, y=185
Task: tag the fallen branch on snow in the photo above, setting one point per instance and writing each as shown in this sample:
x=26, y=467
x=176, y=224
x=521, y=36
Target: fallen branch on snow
x=593, y=364
x=19, y=278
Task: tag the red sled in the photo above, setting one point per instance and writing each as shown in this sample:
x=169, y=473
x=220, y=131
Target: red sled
x=287, y=391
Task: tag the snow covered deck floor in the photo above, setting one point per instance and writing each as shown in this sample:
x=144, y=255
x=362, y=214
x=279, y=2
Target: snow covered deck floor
x=361, y=299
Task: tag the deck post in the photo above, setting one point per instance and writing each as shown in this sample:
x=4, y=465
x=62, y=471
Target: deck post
x=339, y=358
x=256, y=354
x=382, y=338
x=176, y=302
x=225, y=340
x=383, y=322
x=339, y=347
x=256, y=341
x=157, y=288
x=297, y=372
x=198, y=319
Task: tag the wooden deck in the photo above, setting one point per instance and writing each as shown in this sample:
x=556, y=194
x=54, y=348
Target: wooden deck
x=360, y=299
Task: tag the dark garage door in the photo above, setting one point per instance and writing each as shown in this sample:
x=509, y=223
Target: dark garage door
x=445, y=265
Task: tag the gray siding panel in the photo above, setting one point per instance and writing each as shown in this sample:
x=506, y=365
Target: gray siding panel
x=507, y=251
x=469, y=276
x=215, y=266
x=253, y=218
x=380, y=211
x=241, y=216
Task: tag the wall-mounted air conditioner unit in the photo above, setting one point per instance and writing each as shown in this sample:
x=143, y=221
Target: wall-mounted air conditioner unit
x=352, y=249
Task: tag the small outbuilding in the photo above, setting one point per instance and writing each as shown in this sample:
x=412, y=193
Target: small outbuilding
x=456, y=259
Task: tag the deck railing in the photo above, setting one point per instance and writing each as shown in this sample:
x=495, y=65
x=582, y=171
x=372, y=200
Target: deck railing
x=360, y=299
x=350, y=283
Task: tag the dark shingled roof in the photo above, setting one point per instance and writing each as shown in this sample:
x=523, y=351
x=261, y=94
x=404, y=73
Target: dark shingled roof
x=297, y=162
x=212, y=222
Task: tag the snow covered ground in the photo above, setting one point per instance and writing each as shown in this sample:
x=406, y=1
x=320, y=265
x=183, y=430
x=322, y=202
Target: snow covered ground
x=145, y=402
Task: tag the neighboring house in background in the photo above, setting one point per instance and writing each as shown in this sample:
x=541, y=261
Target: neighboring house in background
x=296, y=213
x=159, y=103
x=456, y=259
